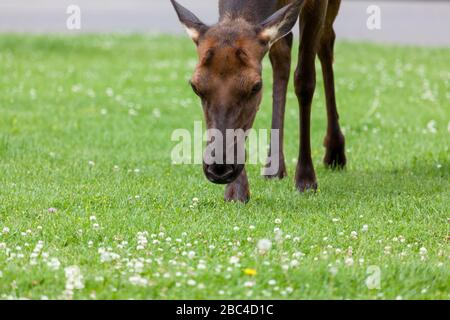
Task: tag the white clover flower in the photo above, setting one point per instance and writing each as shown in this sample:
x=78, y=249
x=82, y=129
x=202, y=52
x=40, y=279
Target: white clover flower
x=431, y=127
x=156, y=113
x=142, y=240
x=249, y=284
x=278, y=235
x=201, y=266
x=234, y=260
x=92, y=218
x=109, y=92
x=333, y=270
x=349, y=261
x=201, y=286
x=354, y=235
x=252, y=227
x=91, y=163
x=272, y=282
x=365, y=228
x=74, y=280
x=236, y=228
x=191, y=282
x=298, y=255
x=191, y=254
x=107, y=256
x=295, y=263
x=264, y=246
x=137, y=266
x=54, y=264
x=277, y=221
x=137, y=280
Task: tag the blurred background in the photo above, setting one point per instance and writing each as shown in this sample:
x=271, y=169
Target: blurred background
x=417, y=22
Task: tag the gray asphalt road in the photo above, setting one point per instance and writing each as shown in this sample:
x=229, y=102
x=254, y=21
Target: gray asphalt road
x=403, y=22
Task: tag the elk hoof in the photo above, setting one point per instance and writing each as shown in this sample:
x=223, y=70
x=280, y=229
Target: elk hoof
x=305, y=181
x=236, y=193
x=335, y=152
x=280, y=174
x=335, y=159
x=305, y=185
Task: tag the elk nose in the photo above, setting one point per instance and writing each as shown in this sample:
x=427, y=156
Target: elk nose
x=220, y=173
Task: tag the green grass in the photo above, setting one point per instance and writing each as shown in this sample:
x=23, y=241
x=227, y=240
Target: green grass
x=66, y=101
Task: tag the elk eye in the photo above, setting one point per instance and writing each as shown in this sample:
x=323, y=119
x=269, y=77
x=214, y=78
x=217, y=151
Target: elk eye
x=257, y=88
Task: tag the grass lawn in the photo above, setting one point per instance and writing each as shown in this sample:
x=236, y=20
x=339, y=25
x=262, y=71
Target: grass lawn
x=85, y=127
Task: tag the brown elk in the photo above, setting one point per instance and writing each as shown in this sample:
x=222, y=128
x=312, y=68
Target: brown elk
x=228, y=78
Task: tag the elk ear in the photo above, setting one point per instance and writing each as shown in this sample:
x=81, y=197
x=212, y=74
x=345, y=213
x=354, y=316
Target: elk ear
x=194, y=27
x=280, y=23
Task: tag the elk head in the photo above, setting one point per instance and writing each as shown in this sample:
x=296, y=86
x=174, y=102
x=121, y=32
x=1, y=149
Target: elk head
x=228, y=78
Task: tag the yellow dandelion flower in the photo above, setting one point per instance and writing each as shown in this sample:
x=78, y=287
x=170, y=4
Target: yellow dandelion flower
x=250, y=272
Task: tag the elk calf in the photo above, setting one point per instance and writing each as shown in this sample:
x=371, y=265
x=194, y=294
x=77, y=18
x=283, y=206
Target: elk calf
x=228, y=79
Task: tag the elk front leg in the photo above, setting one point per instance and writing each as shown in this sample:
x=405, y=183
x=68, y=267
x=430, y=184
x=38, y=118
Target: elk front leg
x=311, y=22
x=280, y=57
x=305, y=176
x=239, y=189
